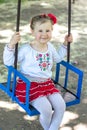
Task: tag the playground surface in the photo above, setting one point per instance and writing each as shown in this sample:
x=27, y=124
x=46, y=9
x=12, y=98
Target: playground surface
x=12, y=117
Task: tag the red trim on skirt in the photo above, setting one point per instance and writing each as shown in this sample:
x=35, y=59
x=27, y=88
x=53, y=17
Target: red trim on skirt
x=37, y=89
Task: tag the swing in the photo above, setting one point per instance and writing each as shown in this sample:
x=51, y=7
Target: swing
x=14, y=74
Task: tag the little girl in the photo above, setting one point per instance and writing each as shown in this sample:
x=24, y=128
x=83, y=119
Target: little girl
x=36, y=61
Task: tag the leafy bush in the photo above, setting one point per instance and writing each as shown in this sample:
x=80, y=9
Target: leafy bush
x=4, y=1
x=1, y=1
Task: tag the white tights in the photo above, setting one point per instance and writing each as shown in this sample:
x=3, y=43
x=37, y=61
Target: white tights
x=50, y=120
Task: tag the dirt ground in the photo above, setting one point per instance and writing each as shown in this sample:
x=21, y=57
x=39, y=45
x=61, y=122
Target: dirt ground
x=12, y=117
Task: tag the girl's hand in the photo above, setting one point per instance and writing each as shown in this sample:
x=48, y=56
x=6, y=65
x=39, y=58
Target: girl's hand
x=68, y=39
x=14, y=40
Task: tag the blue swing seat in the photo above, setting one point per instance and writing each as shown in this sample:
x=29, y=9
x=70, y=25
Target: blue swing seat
x=13, y=74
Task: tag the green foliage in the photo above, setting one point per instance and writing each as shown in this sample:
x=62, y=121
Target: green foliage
x=3, y=1
x=7, y=1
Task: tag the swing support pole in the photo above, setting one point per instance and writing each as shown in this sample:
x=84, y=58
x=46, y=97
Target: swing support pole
x=17, y=30
x=68, y=46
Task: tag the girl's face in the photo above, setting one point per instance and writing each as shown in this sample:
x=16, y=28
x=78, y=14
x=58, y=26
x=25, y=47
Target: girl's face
x=42, y=32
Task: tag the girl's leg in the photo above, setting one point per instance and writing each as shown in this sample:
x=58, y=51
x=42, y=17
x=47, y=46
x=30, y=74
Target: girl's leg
x=59, y=106
x=43, y=105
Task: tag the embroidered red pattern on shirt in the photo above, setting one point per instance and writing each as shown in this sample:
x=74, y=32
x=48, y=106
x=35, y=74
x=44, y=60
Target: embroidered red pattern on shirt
x=43, y=60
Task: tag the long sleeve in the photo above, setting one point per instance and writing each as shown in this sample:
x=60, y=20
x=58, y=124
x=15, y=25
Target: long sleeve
x=60, y=54
x=8, y=56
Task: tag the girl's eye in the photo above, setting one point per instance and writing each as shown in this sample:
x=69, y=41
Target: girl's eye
x=40, y=30
x=47, y=30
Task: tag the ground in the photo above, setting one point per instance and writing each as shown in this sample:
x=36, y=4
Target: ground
x=12, y=117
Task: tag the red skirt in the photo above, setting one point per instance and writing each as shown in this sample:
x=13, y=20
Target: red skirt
x=37, y=89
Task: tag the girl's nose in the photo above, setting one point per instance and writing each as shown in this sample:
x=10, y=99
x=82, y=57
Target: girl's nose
x=44, y=33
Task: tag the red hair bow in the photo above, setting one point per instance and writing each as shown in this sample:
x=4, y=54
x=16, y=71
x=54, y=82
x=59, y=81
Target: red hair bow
x=53, y=18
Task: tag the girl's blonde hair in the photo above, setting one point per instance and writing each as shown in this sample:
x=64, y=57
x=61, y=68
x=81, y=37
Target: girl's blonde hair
x=40, y=18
